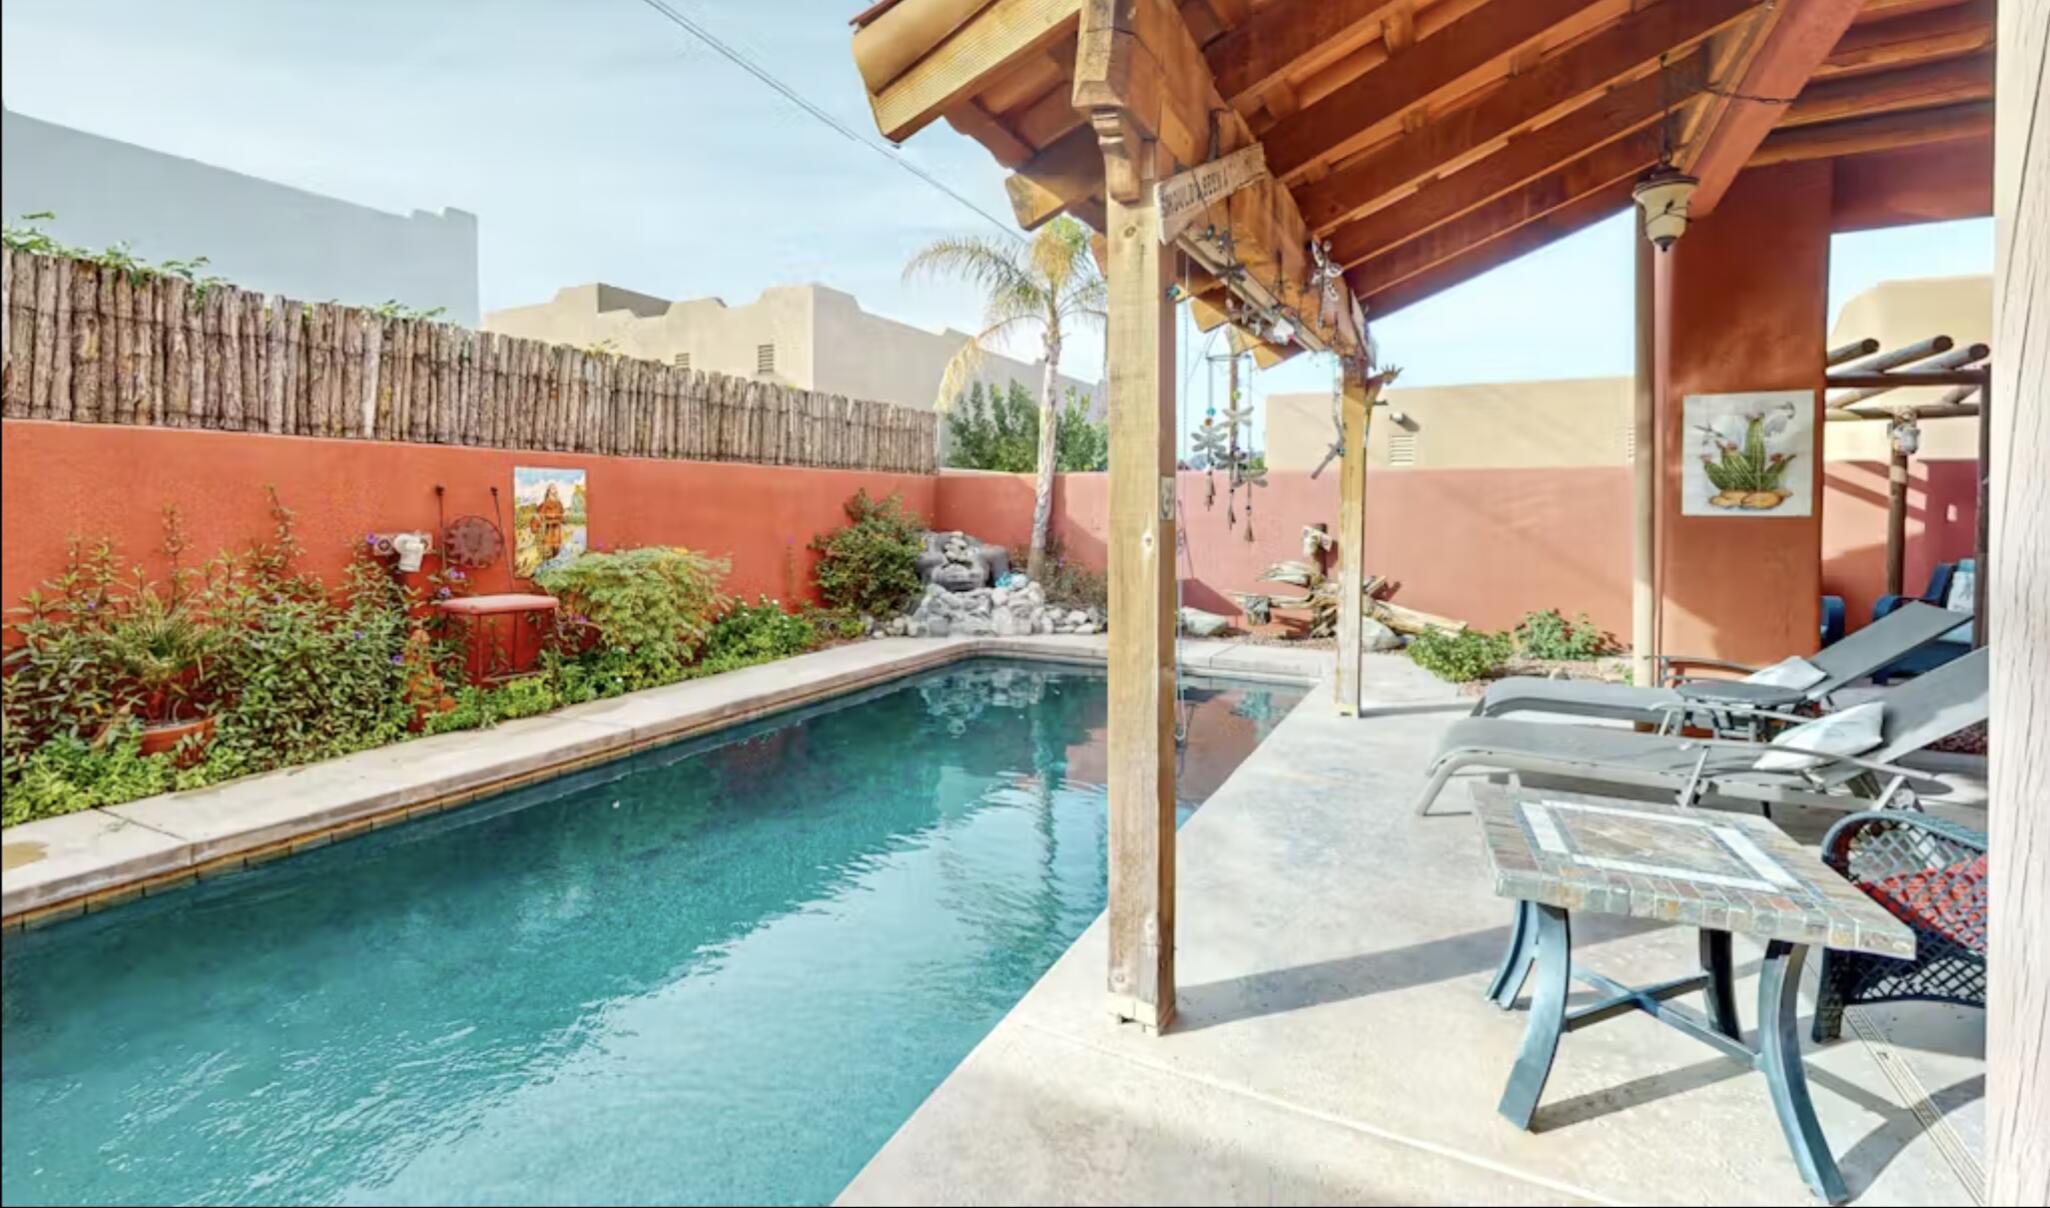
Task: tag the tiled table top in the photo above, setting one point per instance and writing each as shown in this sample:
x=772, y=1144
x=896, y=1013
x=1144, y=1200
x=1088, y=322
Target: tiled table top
x=1699, y=867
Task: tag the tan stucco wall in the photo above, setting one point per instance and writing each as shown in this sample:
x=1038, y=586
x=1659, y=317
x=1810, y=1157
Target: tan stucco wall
x=1562, y=422
x=824, y=340
x=1897, y=313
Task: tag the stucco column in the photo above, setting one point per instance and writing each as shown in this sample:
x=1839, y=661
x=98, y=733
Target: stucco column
x=1744, y=308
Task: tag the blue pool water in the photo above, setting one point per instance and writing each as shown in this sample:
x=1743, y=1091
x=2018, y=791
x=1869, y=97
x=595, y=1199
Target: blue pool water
x=723, y=971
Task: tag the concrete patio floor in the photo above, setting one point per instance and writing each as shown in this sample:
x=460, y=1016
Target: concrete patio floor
x=1332, y=1044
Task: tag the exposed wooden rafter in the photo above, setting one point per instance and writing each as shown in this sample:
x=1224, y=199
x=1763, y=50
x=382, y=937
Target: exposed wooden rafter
x=1886, y=132
x=1547, y=90
x=961, y=65
x=1920, y=87
x=1920, y=37
x=1280, y=37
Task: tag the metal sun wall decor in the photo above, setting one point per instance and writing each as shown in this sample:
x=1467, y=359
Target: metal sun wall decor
x=1749, y=455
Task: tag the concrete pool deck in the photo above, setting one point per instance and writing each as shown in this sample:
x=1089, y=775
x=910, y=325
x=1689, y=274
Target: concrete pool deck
x=1332, y=1044
x=57, y=868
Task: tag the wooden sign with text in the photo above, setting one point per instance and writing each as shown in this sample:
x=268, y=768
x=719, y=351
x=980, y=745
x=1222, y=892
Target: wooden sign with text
x=1183, y=197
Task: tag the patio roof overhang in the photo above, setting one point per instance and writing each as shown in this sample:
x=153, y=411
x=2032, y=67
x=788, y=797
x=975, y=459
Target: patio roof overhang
x=1429, y=141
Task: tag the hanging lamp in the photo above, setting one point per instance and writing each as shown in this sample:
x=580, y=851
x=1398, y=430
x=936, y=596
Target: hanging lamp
x=1664, y=192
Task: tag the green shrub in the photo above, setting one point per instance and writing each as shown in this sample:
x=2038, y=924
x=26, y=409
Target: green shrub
x=1549, y=635
x=477, y=708
x=1460, y=657
x=757, y=633
x=650, y=609
x=67, y=774
x=871, y=565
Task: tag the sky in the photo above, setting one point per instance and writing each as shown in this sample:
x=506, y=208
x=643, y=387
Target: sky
x=596, y=141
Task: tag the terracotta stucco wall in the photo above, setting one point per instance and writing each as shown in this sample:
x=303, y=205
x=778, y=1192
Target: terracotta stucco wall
x=94, y=480
x=1943, y=517
x=1484, y=545
x=1743, y=306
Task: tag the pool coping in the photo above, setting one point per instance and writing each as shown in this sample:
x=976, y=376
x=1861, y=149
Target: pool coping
x=59, y=868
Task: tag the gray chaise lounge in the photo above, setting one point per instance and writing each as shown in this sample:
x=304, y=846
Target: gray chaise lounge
x=1850, y=659
x=1614, y=759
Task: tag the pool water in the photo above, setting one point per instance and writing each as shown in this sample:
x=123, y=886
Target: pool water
x=722, y=971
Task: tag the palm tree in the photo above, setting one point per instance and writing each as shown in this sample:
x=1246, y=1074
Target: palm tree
x=1051, y=281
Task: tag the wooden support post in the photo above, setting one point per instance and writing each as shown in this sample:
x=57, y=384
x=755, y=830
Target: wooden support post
x=2017, y=578
x=1896, y=515
x=1356, y=413
x=1982, y=621
x=1142, y=596
x=1644, y=471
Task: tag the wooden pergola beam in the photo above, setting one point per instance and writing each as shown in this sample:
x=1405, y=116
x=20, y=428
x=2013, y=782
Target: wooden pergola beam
x=1547, y=90
x=1500, y=250
x=1057, y=178
x=1622, y=160
x=1355, y=113
x=1916, y=38
x=1942, y=83
x=1258, y=50
x=964, y=61
x=1525, y=157
x=1794, y=40
x=1888, y=131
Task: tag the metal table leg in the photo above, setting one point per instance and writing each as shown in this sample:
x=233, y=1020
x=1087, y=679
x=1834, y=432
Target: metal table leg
x=1516, y=961
x=1554, y=968
x=1779, y=1057
x=1719, y=1001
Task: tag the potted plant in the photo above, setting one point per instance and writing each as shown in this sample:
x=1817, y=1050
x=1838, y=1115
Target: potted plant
x=160, y=653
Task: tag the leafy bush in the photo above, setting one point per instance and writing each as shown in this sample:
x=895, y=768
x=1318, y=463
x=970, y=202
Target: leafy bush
x=757, y=633
x=1068, y=583
x=871, y=565
x=1549, y=635
x=67, y=774
x=1460, y=657
x=650, y=609
x=998, y=429
x=528, y=696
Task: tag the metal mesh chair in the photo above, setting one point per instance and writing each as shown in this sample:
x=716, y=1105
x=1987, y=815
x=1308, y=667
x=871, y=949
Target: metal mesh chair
x=1931, y=874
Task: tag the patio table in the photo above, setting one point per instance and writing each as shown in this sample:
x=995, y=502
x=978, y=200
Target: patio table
x=1558, y=852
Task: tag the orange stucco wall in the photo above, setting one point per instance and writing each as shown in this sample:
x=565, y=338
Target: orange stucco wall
x=1743, y=307
x=59, y=479
x=1483, y=545
x=1943, y=518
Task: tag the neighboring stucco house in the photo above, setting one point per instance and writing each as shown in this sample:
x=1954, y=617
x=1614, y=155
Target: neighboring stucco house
x=257, y=233
x=809, y=336
x=1586, y=421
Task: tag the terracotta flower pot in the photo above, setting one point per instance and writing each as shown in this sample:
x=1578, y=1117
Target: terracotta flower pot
x=164, y=737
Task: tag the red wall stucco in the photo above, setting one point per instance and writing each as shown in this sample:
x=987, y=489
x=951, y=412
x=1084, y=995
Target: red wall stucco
x=1943, y=519
x=1483, y=545
x=93, y=480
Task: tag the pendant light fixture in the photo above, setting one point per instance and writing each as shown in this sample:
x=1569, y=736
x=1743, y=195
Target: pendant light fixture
x=1664, y=192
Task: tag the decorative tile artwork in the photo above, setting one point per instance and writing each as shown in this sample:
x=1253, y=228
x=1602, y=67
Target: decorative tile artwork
x=549, y=518
x=1748, y=455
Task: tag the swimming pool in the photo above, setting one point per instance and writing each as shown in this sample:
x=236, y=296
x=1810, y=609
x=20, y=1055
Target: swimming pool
x=720, y=971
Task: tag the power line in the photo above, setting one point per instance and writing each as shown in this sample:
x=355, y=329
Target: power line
x=742, y=61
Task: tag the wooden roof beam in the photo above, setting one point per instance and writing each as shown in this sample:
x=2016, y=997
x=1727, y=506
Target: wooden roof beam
x=1920, y=87
x=1552, y=87
x=1270, y=42
x=1917, y=38
x=964, y=61
x=1525, y=157
x=1057, y=177
x=1360, y=110
x=1622, y=160
x=1886, y=132
x=1793, y=40
x=1501, y=250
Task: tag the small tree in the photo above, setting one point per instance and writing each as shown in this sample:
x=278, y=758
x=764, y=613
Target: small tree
x=1051, y=282
x=999, y=430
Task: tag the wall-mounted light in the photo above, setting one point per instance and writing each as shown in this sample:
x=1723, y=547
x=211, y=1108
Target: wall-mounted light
x=1905, y=433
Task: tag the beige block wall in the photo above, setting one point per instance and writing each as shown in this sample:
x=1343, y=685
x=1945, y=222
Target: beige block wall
x=1562, y=422
x=823, y=340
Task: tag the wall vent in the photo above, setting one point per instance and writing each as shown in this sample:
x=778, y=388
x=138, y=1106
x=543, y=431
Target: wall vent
x=765, y=359
x=1401, y=448
x=681, y=360
x=1630, y=441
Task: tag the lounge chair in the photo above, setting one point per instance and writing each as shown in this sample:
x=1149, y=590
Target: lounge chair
x=1615, y=760
x=1950, y=587
x=1910, y=626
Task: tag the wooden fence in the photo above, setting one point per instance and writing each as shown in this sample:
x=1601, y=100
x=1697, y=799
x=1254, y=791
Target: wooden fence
x=92, y=344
